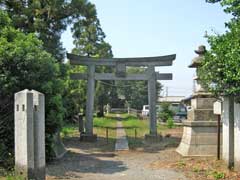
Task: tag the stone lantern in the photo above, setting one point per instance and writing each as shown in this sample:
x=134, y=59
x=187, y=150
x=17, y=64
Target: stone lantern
x=196, y=63
x=200, y=129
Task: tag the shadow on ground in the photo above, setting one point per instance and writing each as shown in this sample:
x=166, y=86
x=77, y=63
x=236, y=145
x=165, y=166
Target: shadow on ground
x=85, y=157
x=76, y=163
x=139, y=144
x=101, y=145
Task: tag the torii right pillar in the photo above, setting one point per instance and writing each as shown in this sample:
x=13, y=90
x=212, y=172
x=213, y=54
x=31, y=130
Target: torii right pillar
x=200, y=129
x=153, y=136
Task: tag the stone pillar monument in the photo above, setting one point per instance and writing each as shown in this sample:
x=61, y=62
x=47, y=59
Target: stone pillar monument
x=231, y=132
x=200, y=129
x=30, y=134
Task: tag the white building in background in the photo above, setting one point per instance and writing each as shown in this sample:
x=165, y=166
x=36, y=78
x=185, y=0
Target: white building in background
x=174, y=101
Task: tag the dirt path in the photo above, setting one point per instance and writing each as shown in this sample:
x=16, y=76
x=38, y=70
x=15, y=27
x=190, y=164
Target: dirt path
x=87, y=161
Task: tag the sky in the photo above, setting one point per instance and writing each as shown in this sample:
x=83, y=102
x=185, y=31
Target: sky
x=140, y=28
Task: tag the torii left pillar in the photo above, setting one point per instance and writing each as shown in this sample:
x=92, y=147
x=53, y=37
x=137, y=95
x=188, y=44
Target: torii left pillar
x=89, y=136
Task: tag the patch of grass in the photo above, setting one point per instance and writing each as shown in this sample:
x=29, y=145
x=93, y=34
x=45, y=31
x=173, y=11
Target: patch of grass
x=9, y=175
x=218, y=175
x=104, y=122
x=196, y=169
x=101, y=125
x=181, y=164
x=69, y=130
x=142, y=126
x=136, y=129
x=14, y=178
x=170, y=123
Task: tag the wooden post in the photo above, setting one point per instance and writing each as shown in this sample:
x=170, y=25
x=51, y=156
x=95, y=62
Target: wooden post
x=80, y=121
x=107, y=133
x=152, y=100
x=90, y=100
x=218, y=137
x=135, y=134
x=217, y=109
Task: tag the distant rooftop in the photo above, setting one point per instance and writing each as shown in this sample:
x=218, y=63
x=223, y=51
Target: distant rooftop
x=171, y=99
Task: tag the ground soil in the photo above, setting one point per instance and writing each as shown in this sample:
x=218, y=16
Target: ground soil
x=159, y=161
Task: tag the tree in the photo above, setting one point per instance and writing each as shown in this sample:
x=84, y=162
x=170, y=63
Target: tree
x=220, y=71
x=47, y=19
x=231, y=6
x=135, y=92
x=74, y=93
x=89, y=41
x=24, y=64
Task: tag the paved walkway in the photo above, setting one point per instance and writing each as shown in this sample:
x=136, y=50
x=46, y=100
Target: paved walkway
x=121, y=139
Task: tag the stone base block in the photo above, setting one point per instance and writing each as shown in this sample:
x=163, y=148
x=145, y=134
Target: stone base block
x=30, y=173
x=153, y=138
x=237, y=166
x=199, y=140
x=58, y=147
x=88, y=137
x=201, y=115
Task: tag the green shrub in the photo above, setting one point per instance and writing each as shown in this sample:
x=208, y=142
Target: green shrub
x=170, y=123
x=218, y=175
x=166, y=112
x=24, y=64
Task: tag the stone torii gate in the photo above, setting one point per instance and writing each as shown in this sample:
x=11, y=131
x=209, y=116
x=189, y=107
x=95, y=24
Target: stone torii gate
x=120, y=74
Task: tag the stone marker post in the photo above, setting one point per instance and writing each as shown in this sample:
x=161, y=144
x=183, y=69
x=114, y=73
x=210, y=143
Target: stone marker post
x=228, y=131
x=30, y=134
x=229, y=123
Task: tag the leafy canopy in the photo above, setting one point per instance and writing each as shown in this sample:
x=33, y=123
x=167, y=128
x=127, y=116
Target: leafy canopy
x=24, y=64
x=47, y=19
x=220, y=71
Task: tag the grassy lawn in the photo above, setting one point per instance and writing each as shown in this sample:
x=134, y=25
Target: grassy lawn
x=100, y=126
x=142, y=126
x=136, y=129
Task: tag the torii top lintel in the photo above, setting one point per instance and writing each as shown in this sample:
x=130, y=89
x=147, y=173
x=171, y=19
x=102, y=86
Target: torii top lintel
x=140, y=61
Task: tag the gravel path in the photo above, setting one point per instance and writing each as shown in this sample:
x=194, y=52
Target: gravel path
x=83, y=161
x=121, y=139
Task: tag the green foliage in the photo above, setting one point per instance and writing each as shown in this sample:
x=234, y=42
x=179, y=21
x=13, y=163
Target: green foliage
x=104, y=122
x=220, y=71
x=218, y=175
x=181, y=164
x=196, y=169
x=48, y=19
x=170, y=123
x=69, y=130
x=25, y=65
x=89, y=41
x=231, y=6
x=4, y=20
x=166, y=113
x=74, y=93
x=135, y=92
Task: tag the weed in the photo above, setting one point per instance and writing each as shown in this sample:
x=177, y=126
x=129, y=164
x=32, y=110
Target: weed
x=181, y=164
x=218, y=175
x=196, y=169
x=170, y=123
